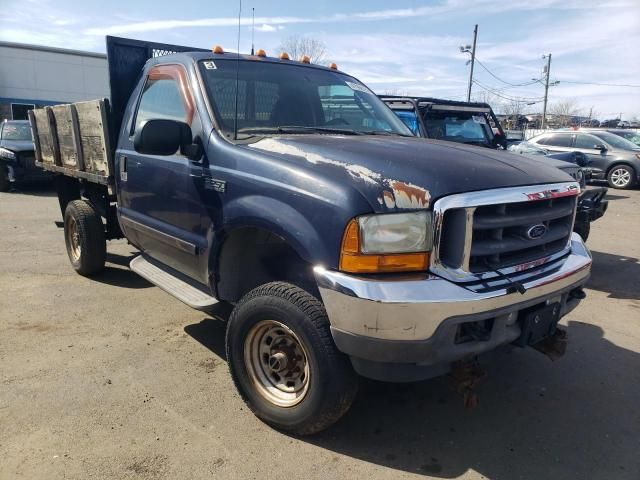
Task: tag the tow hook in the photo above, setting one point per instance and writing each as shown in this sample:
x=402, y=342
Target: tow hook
x=466, y=374
x=554, y=346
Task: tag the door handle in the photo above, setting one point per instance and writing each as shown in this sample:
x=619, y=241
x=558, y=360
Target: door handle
x=123, y=168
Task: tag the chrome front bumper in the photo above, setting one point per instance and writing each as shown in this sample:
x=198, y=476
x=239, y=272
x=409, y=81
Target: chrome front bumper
x=412, y=308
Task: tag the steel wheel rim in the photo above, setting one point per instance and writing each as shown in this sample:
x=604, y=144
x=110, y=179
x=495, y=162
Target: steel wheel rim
x=277, y=363
x=73, y=236
x=620, y=177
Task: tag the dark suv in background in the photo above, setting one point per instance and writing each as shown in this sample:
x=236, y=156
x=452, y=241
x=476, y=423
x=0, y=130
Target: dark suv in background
x=609, y=156
x=17, y=158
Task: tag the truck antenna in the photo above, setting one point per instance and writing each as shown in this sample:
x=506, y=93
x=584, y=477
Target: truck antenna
x=235, y=118
x=253, y=27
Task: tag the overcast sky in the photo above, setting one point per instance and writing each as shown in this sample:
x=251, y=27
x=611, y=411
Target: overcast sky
x=406, y=46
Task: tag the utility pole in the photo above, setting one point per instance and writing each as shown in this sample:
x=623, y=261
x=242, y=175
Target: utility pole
x=546, y=91
x=473, y=59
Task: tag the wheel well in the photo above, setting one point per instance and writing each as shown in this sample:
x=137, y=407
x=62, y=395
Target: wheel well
x=617, y=164
x=252, y=256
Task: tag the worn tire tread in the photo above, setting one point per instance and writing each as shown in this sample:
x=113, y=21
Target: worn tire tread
x=342, y=372
x=92, y=238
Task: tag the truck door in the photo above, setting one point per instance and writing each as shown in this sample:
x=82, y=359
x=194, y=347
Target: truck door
x=159, y=204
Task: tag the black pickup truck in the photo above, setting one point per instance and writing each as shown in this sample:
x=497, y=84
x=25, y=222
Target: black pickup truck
x=475, y=123
x=289, y=190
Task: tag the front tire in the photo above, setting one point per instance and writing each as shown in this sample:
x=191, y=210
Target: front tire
x=283, y=360
x=622, y=177
x=84, y=237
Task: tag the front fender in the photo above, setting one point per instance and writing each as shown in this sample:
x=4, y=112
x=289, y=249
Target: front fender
x=286, y=222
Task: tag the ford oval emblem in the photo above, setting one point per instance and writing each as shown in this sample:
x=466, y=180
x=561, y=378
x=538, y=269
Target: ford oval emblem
x=536, y=231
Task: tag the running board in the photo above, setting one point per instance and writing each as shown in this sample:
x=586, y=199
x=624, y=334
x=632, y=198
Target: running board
x=183, y=291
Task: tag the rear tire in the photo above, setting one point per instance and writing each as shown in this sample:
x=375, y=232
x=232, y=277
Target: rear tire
x=283, y=360
x=84, y=237
x=622, y=177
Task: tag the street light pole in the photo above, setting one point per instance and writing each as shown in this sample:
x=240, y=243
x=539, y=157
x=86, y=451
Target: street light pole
x=473, y=59
x=546, y=92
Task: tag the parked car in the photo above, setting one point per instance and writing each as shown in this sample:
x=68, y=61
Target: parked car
x=609, y=156
x=476, y=124
x=631, y=135
x=613, y=123
x=345, y=244
x=623, y=124
x=17, y=161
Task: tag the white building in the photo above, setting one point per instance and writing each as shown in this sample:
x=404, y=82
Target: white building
x=34, y=76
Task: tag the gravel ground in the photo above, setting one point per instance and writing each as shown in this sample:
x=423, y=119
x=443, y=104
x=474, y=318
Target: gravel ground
x=113, y=378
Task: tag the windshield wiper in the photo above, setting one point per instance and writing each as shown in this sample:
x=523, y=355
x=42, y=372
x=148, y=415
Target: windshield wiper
x=305, y=128
x=296, y=129
x=384, y=132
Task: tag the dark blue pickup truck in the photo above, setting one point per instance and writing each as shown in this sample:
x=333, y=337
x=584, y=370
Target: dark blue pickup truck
x=289, y=190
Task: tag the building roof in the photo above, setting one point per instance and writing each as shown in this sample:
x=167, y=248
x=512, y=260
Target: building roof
x=41, y=48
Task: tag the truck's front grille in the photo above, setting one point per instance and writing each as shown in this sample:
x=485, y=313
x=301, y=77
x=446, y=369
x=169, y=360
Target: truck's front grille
x=514, y=229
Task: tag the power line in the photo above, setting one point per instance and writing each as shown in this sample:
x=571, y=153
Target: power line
x=497, y=93
x=504, y=81
x=596, y=83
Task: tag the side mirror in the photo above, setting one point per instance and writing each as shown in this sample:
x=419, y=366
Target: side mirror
x=580, y=159
x=165, y=137
x=600, y=147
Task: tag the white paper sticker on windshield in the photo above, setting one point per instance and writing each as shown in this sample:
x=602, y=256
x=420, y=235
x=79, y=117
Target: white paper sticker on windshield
x=357, y=86
x=479, y=119
x=209, y=65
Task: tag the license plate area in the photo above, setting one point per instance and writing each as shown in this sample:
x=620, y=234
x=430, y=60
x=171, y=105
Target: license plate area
x=538, y=323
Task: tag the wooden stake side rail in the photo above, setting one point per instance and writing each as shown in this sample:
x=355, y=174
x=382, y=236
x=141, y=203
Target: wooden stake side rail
x=74, y=140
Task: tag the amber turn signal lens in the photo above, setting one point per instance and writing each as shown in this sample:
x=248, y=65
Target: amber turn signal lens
x=284, y=56
x=401, y=262
x=305, y=59
x=333, y=66
x=218, y=49
x=352, y=261
x=261, y=53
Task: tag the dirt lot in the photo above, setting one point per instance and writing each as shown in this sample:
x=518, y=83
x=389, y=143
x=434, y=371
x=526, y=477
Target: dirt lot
x=112, y=378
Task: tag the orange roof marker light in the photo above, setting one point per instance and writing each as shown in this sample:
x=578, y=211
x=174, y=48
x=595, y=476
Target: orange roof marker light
x=284, y=56
x=305, y=59
x=217, y=49
x=261, y=53
x=333, y=66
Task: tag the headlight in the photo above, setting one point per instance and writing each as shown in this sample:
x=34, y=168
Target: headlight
x=395, y=233
x=395, y=242
x=4, y=153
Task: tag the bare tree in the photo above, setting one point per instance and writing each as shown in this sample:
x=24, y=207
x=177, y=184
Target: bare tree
x=513, y=110
x=563, y=112
x=487, y=97
x=297, y=46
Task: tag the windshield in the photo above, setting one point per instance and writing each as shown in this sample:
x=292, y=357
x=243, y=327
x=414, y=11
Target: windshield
x=273, y=96
x=16, y=131
x=615, y=141
x=462, y=127
x=633, y=137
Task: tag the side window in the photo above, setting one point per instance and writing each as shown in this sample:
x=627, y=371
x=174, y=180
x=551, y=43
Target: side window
x=165, y=96
x=558, y=140
x=585, y=141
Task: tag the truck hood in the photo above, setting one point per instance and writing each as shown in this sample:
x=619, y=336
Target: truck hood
x=395, y=172
x=17, y=145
